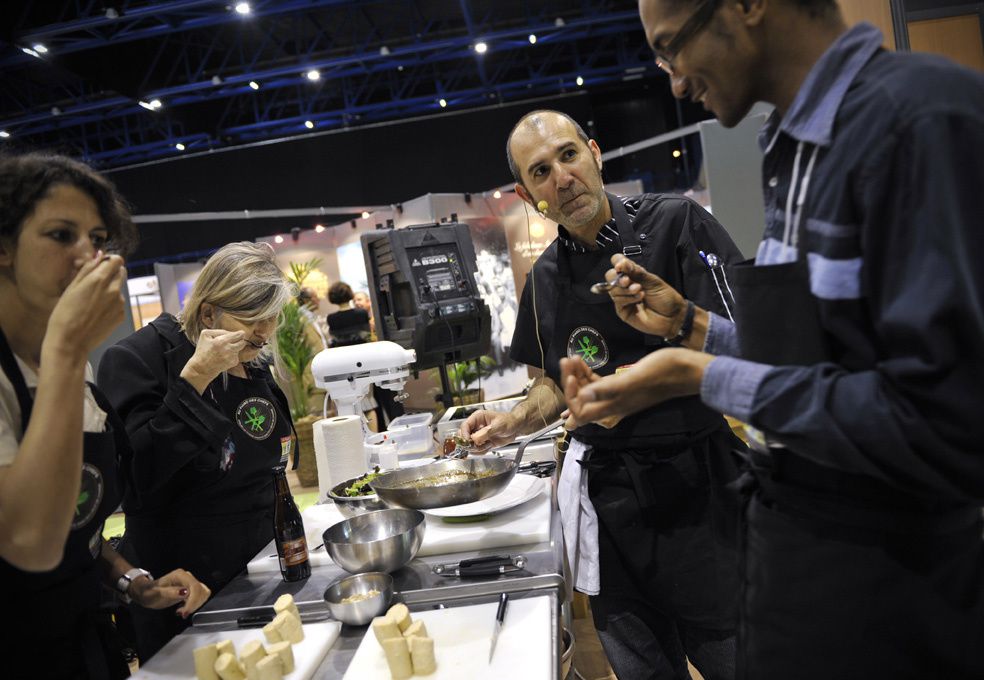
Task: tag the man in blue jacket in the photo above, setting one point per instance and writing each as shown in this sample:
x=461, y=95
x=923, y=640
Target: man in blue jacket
x=857, y=352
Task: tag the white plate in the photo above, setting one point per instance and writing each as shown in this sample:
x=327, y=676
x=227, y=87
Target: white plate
x=521, y=489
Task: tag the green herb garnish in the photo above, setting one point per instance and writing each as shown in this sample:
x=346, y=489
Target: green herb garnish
x=360, y=487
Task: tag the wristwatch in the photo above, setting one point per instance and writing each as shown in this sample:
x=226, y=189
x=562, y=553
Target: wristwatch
x=686, y=326
x=123, y=584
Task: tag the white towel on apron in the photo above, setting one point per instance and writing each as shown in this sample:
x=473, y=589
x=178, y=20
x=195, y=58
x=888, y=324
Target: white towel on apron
x=572, y=497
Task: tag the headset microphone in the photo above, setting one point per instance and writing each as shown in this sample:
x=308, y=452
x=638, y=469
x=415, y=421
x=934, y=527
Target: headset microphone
x=542, y=206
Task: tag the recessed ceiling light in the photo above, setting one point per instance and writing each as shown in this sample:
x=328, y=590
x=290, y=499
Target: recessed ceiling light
x=313, y=74
x=40, y=49
x=481, y=47
x=579, y=81
x=242, y=7
x=179, y=146
x=532, y=39
x=384, y=51
x=676, y=153
x=253, y=84
x=309, y=124
x=442, y=102
x=28, y=50
x=155, y=104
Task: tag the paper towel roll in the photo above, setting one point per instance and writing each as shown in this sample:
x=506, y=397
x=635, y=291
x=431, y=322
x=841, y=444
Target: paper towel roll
x=338, y=451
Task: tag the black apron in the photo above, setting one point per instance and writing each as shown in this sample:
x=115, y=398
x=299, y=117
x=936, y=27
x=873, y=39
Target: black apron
x=653, y=478
x=843, y=576
x=214, y=532
x=56, y=628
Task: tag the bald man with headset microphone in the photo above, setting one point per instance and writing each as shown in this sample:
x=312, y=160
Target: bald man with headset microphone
x=636, y=497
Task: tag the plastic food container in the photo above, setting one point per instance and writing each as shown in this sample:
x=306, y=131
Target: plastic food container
x=412, y=434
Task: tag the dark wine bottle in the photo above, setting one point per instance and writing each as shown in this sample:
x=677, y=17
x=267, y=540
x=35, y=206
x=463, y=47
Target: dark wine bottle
x=288, y=532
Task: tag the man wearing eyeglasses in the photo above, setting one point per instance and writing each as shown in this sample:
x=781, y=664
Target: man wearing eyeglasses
x=857, y=351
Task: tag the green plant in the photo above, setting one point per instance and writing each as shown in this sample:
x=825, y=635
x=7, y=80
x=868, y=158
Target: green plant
x=464, y=373
x=293, y=347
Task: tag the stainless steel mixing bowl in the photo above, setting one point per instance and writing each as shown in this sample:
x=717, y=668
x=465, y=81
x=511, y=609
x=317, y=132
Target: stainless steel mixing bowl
x=383, y=540
x=361, y=612
x=350, y=506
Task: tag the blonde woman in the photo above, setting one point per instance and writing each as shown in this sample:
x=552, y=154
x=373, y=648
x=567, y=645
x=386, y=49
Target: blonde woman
x=208, y=425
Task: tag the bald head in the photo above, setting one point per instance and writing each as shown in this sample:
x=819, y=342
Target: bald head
x=536, y=121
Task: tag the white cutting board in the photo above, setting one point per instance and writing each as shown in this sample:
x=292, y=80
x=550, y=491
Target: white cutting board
x=461, y=644
x=523, y=525
x=176, y=660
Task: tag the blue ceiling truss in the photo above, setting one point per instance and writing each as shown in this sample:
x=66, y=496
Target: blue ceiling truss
x=377, y=60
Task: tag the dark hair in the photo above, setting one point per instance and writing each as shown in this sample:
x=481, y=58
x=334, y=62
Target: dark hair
x=582, y=135
x=815, y=8
x=26, y=180
x=304, y=296
x=339, y=293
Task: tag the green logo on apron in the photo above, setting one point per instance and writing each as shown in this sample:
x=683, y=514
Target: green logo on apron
x=256, y=417
x=588, y=343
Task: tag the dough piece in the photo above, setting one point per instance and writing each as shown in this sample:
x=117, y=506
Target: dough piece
x=225, y=647
x=269, y=668
x=285, y=603
x=398, y=658
x=271, y=632
x=422, y=655
x=285, y=653
x=399, y=613
x=205, y=662
x=252, y=652
x=385, y=628
x=289, y=627
x=229, y=668
x=416, y=629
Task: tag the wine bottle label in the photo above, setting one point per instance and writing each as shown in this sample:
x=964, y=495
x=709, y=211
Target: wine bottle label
x=294, y=552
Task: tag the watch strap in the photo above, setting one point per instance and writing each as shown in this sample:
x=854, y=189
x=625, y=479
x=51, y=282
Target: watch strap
x=124, y=581
x=687, y=326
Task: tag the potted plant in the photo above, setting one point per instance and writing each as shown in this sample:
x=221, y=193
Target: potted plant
x=295, y=350
x=462, y=374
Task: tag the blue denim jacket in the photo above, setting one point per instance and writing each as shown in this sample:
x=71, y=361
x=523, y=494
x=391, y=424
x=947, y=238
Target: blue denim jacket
x=893, y=145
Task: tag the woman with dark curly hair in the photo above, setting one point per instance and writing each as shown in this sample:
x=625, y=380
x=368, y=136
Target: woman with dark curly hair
x=349, y=325
x=64, y=455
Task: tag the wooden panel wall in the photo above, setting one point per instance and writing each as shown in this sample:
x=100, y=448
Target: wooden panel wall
x=958, y=38
x=877, y=12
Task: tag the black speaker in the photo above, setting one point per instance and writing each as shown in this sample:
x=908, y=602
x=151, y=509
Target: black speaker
x=424, y=293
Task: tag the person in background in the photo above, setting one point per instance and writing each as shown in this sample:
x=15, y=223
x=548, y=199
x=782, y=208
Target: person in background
x=64, y=454
x=639, y=522
x=857, y=351
x=208, y=425
x=309, y=302
x=362, y=300
x=351, y=326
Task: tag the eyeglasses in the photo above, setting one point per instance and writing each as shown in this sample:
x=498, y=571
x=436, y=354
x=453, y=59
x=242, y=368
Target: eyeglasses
x=691, y=27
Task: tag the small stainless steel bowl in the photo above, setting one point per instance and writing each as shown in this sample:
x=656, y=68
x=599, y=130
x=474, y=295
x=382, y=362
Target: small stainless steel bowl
x=361, y=612
x=350, y=506
x=383, y=540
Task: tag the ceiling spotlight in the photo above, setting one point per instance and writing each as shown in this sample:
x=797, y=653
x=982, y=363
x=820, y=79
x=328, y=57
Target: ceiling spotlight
x=400, y=67
x=253, y=84
x=40, y=49
x=384, y=51
x=216, y=80
x=579, y=80
x=313, y=74
x=179, y=146
x=155, y=104
x=318, y=228
x=532, y=39
x=278, y=239
x=559, y=22
x=55, y=111
x=365, y=214
x=28, y=50
x=146, y=105
x=496, y=194
x=481, y=47
x=443, y=102
x=4, y=134
x=111, y=13
x=676, y=153
x=242, y=7
x=309, y=124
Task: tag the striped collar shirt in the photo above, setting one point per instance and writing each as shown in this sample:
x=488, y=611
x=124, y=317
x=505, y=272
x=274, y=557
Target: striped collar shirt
x=608, y=237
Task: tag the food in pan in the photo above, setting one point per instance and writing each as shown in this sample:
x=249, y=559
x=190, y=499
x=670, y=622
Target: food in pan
x=360, y=487
x=449, y=477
